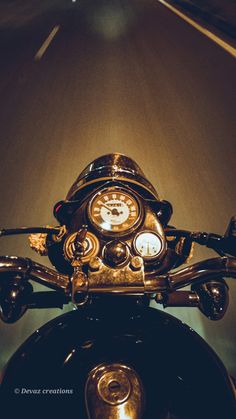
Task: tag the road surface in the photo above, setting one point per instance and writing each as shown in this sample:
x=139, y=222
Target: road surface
x=126, y=76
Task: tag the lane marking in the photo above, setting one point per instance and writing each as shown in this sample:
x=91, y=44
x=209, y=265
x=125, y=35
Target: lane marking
x=227, y=47
x=46, y=43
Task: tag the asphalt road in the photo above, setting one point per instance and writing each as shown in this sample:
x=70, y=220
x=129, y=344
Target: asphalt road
x=126, y=76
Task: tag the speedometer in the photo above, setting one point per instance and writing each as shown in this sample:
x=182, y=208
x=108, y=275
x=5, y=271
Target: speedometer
x=113, y=210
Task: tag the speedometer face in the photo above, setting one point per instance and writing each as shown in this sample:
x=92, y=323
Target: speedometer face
x=114, y=211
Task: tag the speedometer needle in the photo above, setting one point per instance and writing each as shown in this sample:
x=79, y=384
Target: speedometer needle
x=114, y=211
x=106, y=206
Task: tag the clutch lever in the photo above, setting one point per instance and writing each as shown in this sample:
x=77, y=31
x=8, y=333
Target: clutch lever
x=222, y=245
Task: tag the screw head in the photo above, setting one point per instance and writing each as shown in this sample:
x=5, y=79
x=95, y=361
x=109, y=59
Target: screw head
x=95, y=263
x=136, y=263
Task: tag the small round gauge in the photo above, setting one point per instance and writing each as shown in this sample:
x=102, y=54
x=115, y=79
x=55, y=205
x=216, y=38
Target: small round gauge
x=148, y=244
x=90, y=244
x=114, y=211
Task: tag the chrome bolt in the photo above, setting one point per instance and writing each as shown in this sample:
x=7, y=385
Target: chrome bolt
x=95, y=263
x=159, y=298
x=136, y=263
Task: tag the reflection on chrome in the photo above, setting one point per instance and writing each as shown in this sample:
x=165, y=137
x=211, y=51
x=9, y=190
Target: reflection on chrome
x=114, y=391
x=69, y=356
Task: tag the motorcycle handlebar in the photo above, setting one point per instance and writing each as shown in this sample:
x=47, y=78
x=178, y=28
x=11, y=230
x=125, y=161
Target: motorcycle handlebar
x=199, y=272
x=28, y=269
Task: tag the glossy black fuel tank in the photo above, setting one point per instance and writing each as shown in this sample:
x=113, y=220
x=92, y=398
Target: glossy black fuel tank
x=179, y=371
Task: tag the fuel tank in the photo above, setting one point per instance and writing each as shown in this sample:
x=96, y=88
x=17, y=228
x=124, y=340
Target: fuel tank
x=181, y=376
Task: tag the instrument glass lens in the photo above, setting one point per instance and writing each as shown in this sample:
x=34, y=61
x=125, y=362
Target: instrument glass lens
x=148, y=245
x=114, y=211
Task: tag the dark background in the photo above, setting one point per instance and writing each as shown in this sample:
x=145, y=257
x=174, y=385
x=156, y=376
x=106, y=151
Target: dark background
x=126, y=76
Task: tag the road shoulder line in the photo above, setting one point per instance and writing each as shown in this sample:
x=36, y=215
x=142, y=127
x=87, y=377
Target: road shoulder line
x=223, y=44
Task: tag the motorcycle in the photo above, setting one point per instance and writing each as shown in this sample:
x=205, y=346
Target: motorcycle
x=113, y=356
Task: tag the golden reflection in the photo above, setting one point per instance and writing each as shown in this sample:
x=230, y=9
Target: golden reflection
x=124, y=412
x=114, y=391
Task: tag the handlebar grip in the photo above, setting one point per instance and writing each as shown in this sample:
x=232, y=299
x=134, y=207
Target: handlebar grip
x=46, y=299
